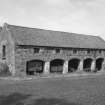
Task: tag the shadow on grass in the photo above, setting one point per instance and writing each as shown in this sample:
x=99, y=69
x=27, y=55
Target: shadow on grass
x=17, y=98
x=53, y=101
x=13, y=99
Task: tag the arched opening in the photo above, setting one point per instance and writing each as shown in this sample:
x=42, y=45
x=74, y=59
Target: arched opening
x=56, y=66
x=99, y=62
x=73, y=65
x=87, y=65
x=35, y=67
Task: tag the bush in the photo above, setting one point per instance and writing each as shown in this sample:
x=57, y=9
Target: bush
x=72, y=69
x=95, y=70
x=87, y=70
x=4, y=69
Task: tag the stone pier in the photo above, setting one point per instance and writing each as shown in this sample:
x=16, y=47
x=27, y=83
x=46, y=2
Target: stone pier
x=47, y=67
x=65, y=67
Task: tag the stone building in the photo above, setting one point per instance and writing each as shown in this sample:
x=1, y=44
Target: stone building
x=31, y=51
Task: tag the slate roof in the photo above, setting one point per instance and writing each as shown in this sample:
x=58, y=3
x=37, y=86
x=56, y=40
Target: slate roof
x=41, y=37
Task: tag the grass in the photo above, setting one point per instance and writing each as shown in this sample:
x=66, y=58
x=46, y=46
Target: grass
x=54, y=91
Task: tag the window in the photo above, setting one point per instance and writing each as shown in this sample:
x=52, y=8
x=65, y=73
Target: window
x=36, y=50
x=100, y=51
x=3, y=52
x=93, y=52
x=88, y=51
x=48, y=50
x=57, y=50
x=74, y=51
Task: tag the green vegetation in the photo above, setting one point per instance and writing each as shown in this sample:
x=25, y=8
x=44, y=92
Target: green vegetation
x=4, y=69
x=86, y=90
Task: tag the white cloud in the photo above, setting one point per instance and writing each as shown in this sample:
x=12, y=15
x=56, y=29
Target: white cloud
x=82, y=16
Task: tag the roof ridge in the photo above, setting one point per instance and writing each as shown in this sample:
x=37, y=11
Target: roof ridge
x=51, y=30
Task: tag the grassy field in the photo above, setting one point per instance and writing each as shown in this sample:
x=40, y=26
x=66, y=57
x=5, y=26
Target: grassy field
x=54, y=91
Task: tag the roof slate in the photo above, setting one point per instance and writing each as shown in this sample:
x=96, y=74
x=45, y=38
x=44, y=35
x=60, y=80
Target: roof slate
x=41, y=37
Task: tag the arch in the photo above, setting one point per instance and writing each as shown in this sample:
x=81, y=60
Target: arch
x=34, y=67
x=88, y=57
x=53, y=58
x=99, y=62
x=56, y=66
x=87, y=64
x=74, y=57
x=99, y=57
x=73, y=64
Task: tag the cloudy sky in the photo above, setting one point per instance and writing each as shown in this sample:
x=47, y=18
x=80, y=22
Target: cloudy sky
x=78, y=16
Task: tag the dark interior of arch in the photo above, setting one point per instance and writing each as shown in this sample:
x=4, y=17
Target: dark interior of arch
x=73, y=65
x=34, y=67
x=56, y=66
x=87, y=64
x=99, y=62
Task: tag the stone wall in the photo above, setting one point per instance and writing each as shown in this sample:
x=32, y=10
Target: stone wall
x=24, y=54
x=6, y=39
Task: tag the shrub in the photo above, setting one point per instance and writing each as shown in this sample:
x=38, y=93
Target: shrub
x=95, y=70
x=4, y=69
x=87, y=70
x=72, y=69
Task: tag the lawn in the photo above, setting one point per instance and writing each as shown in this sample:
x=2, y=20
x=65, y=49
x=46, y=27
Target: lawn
x=54, y=91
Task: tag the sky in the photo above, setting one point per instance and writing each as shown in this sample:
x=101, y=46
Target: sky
x=77, y=16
